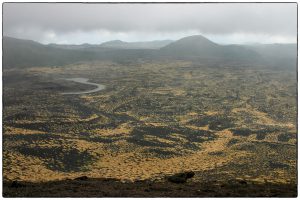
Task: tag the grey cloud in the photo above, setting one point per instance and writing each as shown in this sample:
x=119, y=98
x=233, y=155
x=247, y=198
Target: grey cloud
x=221, y=18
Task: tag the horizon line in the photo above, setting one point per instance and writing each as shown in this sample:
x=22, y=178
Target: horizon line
x=86, y=43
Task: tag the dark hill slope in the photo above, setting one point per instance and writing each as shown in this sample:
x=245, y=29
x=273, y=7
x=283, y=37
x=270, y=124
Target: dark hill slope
x=24, y=53
x=19, y=53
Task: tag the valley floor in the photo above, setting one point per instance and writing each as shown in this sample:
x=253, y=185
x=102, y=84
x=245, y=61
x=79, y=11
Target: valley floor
x=152, y=120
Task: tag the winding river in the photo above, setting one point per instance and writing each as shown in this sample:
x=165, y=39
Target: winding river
x=85, y=81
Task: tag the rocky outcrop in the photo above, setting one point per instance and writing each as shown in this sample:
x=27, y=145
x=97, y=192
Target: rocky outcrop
x=181, y=177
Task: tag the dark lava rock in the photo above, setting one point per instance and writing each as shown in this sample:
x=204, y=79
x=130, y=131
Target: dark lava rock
x=181, y=177
x=147, y=190
x=243, y=182
x=208, y=190
x=81, y=178
x=190, y=174
x=16, y=184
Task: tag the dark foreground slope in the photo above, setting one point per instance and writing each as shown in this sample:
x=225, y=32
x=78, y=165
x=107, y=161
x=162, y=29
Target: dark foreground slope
x=91, y=187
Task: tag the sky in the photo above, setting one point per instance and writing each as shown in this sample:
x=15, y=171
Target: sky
x=224, y=23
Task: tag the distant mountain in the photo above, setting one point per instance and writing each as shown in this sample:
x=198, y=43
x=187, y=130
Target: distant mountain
x=114, y=44
x=199, y=47
x=26, y=53
x=73, y=46
x=118, y=44
x=192, y=46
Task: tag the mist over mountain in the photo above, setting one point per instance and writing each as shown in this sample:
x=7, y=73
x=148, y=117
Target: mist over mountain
x=118, y=44
x=279, y=55
x=26, y=53
x=73, y=46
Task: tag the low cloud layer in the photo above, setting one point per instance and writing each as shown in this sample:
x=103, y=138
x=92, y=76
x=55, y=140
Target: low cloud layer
x=95, y=23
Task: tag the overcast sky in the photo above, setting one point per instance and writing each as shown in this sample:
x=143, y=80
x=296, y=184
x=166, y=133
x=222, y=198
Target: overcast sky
x=97, y=23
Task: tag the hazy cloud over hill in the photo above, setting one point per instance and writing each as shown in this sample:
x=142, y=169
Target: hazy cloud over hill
x=96, y=23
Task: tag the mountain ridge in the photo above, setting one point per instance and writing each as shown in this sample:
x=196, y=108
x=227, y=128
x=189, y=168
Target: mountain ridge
x=26, y=53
